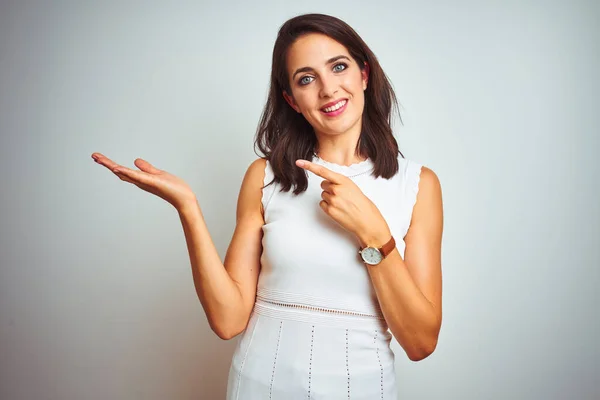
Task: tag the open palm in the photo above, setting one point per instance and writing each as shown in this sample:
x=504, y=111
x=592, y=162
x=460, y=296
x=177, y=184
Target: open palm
x=153, y=180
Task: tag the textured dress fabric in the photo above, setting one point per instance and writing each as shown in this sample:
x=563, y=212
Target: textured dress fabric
x=316, y=330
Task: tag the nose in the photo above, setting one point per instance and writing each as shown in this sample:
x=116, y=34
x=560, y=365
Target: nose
x=328, y=87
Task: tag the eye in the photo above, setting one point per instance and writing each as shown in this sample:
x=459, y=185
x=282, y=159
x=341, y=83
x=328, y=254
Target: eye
x=339, y=67
x=305, y=80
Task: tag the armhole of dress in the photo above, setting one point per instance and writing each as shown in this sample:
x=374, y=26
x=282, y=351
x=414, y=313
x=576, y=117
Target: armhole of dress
x=269, y=191
x=412, y=178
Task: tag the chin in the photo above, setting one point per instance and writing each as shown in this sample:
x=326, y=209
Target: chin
x=339, y=127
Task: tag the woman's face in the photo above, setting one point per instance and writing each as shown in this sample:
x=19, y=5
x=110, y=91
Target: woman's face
x=327, y=85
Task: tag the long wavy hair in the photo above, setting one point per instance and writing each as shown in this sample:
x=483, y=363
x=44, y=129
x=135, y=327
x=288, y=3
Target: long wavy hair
x=283, y=135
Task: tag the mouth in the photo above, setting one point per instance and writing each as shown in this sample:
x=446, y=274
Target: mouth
x=334, y=109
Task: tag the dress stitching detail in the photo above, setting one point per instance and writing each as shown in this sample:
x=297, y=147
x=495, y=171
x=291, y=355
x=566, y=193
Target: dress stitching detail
x=312, y=340
x=360, y=173
x=380, y=366
x=321, y=309
x=347, y=367
x=275, y=361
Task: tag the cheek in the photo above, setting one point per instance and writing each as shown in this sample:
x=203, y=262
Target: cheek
x=357, y=84
x=358, y=94
x=354, y=85
x=306, y=102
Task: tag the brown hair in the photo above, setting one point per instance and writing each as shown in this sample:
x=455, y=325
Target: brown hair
x=283, y=135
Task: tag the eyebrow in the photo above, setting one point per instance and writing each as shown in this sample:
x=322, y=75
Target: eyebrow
x=308, y=69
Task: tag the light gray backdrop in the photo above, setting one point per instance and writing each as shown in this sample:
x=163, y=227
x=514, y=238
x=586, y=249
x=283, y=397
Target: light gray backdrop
x=96, y=294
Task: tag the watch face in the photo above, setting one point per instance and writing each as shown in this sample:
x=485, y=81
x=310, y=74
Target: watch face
x=371, y=255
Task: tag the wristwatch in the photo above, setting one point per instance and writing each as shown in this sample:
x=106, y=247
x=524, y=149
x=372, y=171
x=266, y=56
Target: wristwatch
x=373, y=255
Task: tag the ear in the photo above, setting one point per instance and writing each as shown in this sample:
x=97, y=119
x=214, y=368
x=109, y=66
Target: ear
x=290, y=101
x=365, y=75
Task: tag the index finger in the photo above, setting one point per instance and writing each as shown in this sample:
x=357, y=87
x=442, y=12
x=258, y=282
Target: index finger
x=105, y=161
x=320, y=171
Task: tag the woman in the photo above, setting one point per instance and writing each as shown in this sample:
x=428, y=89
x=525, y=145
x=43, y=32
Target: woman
x=338, y=236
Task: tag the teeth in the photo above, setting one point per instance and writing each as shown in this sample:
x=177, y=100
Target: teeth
x=335, y=107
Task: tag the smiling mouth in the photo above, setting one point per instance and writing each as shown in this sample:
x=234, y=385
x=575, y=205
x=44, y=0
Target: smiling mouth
x=335, y=107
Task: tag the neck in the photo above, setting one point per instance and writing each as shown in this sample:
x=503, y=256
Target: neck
x=339, y=148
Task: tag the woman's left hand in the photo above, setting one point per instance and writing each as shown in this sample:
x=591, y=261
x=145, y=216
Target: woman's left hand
x=346, y=204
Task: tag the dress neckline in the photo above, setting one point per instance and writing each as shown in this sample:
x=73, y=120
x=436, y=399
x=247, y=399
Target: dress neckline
x=351, y=170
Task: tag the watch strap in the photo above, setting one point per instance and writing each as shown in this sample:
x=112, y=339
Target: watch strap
x=387, y=248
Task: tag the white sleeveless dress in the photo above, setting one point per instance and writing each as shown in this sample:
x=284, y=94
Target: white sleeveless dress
x=316, y=330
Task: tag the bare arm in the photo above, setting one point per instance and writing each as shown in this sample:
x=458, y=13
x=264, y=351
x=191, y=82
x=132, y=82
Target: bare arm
x=409, y=290
x=227, y=290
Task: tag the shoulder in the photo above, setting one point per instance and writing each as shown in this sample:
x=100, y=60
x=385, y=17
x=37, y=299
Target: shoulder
x=429, y=195
x=258, y=166
x=255, y=173
x=418, y=175
x=252, y=184
x=429, y=181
